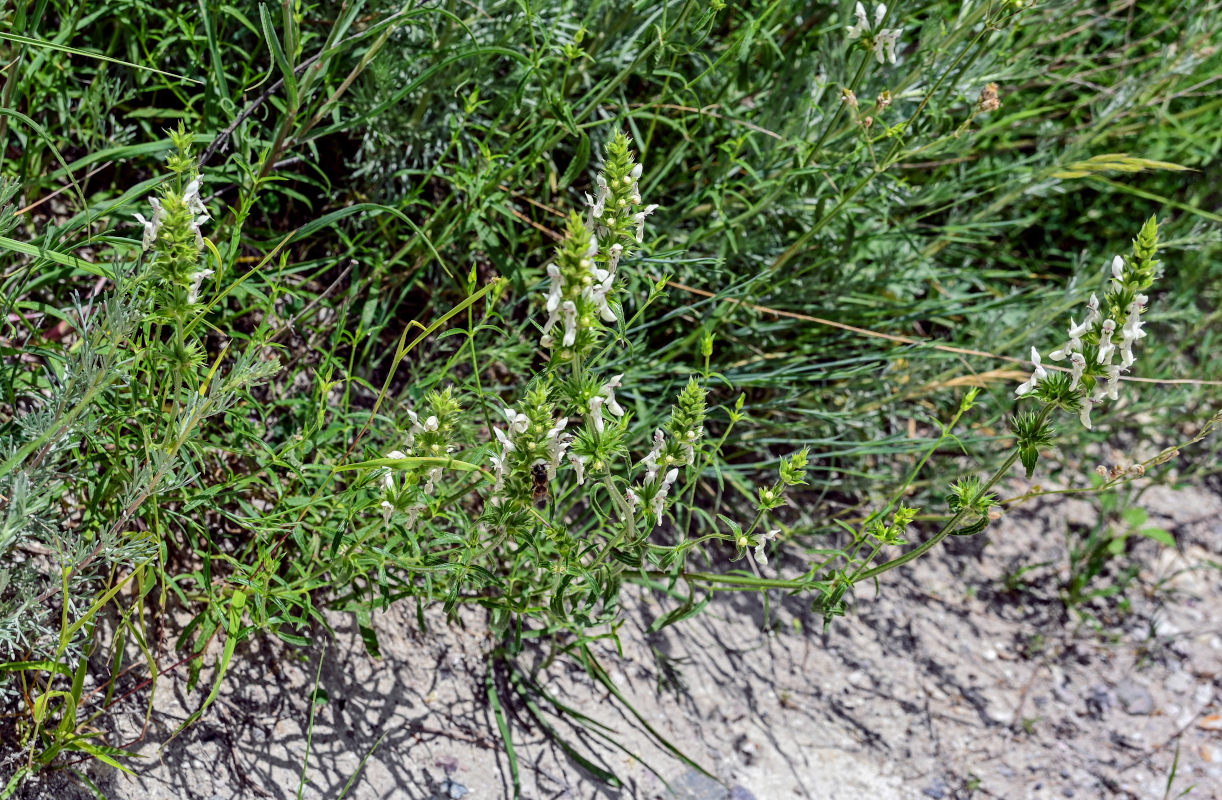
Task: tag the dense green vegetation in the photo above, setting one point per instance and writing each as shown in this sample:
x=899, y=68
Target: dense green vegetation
x=842, y=248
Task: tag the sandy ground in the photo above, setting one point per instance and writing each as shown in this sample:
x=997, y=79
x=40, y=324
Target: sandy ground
x=965, y=678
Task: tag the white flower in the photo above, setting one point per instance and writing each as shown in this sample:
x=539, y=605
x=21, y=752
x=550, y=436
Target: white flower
x=555, y=296
x=388, y=475
x=636, y=172
x=197, y=208
x=569, y=309
x=1126, y=353
x=606, y=399
x=856, y=31
x=1037, y=375
x=1113, y=383
x=596, y=412
x=761, y=540
x=885, y=40
x=608, y=391
x=547, y=340
x=197, y=280
x=1132, y=330
x=506, y=445
x=150, y=229
x=498, y=464
x=431, y=478
x=633, y=501
x=639, y=219
x=1084, y=412
x=651, y=461
x=556, y=291
x=881, y=40
x=518, y=423
x=597, y=293
x=557, y=443
x=1093, y=316
x=1106, y=345
x=598, y=204
x=614, y=254
x=658, y=503
x=579, y=466
x=1075, y=341
x=199, y=235
x=1077, y=362
x=1118, y=269
x=1077, y=331
x=1130, y=333
x=194, y=203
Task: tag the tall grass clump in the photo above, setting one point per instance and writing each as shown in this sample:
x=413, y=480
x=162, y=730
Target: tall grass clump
x=313, y=309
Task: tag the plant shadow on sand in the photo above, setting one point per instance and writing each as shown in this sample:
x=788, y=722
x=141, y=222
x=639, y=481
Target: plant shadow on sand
x=924, y=691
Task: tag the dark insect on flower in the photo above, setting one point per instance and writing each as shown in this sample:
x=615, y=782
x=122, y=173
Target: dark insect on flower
x=540, y=485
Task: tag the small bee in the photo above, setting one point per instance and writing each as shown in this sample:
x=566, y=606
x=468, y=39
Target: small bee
x=540, y=485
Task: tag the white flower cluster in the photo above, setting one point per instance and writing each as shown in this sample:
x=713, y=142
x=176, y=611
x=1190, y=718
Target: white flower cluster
x=428, y=436
x=761, y=540
x=192, y=199
x=657, y=503
x=881, y=40
x=597, y=283
x=199, y=215
x=548, y=452
x=198, y=209
x=430, y=423
x=1128, y=328
x=393, y=488
x=598, y=208
x=605, y=399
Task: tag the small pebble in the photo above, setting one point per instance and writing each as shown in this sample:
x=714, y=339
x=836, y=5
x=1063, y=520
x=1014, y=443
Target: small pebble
x=454, y=790
x=739, y=793
x=1212, y=722
x=1098, y=700
x=936, y=790
x=1135, y=698
x=1165, y=628
x=1179, y=683
x=695, y=785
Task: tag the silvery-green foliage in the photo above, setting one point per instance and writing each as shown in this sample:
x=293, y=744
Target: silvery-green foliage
x=56, y=553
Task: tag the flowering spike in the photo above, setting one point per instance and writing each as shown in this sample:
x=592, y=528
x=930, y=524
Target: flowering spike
x=1094, y=379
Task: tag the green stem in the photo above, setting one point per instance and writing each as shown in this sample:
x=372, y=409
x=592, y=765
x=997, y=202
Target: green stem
x=954, y=521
